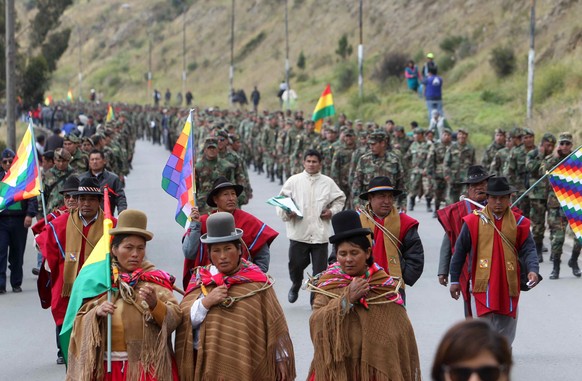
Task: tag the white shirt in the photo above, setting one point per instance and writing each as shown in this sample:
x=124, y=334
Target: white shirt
x=312, y=195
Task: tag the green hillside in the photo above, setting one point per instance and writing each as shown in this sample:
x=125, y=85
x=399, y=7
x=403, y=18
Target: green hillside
x=115, y=37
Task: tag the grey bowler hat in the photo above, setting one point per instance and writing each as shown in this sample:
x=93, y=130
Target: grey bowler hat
x=221, y=229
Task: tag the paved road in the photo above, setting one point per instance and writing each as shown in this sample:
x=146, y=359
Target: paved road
x=548, y=344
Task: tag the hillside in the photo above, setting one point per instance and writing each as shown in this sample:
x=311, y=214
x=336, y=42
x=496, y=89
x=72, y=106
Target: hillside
x=114, y=36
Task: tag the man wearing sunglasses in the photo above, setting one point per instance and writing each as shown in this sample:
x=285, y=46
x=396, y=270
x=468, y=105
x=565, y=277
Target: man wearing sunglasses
x=14, y=223
x=557, y=220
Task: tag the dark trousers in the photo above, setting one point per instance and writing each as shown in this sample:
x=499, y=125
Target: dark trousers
x=301, y=254
x=58, y=331
x=12, y=244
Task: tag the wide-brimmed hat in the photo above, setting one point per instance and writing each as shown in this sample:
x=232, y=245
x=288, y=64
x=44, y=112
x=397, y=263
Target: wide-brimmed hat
x=380, y=184
x=221, y=228
x=347, y=224
x=71, y=184
x=89, y=186
x=221, y=183
x=132, y=222
x=499, y=186
x=476, y=174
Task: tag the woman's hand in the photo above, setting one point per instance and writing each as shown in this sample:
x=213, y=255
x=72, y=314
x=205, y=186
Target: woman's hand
x=357, y=289
x=148, y=293
x=105, y=308
x=215, y=297
x=195, y=214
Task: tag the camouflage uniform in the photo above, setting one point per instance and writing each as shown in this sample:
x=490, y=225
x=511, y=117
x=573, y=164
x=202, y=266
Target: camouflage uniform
x=256, y=145
x=340, y=170
x=416, y=156
x=458, y=159
x=515, y=171
x=206, y=172
x=436, y=171
x=496, y=167
x=268, y=142
x=53, y=182
x=79, y=161
x=283, y=168
x=489, y=154
x=327, y=150
x=360, y=151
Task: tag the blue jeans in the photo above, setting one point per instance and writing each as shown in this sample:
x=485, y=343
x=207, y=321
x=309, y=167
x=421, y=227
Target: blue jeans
x=431, y=105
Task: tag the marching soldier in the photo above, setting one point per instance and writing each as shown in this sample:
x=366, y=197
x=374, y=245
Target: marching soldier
x=458, y=158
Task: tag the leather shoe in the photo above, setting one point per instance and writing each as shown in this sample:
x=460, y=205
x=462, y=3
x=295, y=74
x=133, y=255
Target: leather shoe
x=293, y=295
x=60, y=360
x=35, y=271
x=575, y=268
x=17, y=289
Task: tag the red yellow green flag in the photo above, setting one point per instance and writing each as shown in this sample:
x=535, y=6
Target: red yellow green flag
x=323, y=109
x=110, y=114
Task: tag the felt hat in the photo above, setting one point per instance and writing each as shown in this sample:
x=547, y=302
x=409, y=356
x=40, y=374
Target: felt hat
x=132, y=222
x=88, y=186
x=221, y=228
x=71, y=184
x=476, y=174
x=347, y=224
x=221, y=183
x=499, y=186
x=380, y=184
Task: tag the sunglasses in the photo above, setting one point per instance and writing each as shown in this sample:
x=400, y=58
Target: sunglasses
x=485, y=373
x=565, y=143
x=221, y=139
x=6, y=161
x=68, y=196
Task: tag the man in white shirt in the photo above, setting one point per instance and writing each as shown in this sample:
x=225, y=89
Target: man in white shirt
x=318, y=198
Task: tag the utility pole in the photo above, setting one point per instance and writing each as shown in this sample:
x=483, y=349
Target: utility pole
x=10, y=85
x=531, y=59
x=80, y=50
x=287, y=54
x=149, y=84
x=231, y=72
x=184, y=52
x=361, y=55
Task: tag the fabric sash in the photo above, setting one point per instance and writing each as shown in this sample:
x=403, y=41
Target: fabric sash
x=248, y=272
x=391, y=235
x=158, y=277
x=485, y=247
x=78, y=244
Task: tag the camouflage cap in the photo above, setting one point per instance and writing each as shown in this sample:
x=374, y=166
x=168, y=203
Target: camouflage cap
x=398, y=128
x=289, y=121
x=62, y=154
x=363, y=134
x=330, y=128
x=358, y=121
x=210, y=142
x=418, y=130
x=377, y=136
x=463, y=131
x=72, y=138
x=528, y=132
x=500, y=131
x=447, y=130
x=222, y=134
x=565, y=137
x=549, y=138
x=88, y=140
x=234, y=137
x=515, y=132
x=349, y=132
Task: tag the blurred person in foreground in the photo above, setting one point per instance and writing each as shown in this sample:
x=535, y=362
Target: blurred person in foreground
x=359, y=326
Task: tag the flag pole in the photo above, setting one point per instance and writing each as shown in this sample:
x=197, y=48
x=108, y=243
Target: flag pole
x=107, y=212
x=192, y=125
x=544, y=176
x=35, y=153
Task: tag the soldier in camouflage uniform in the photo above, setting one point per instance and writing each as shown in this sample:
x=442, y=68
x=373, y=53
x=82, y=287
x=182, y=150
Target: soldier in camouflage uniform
x=208, y=168
x=283, y=167
x=54, y=179
x=244, y=130
x=240, y=174
x=557, y=220
x=416, y=156
x=79, y=160
x=458, y=158
x=340, y=166
x=491, y=150
x=256, y=144
x=401, y=142
x=268, y=142
x=327, y=149
x=292, y=136
x=361, y=149
x=307, y=139
x=496, y=167
x=379, y=162
x=539, y=195
x=436, y=170
x=514, y=169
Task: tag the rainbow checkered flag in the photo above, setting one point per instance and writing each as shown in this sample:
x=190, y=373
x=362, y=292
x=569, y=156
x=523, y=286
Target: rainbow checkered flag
x=21, y=181
x=566, y=180
x=177, y=177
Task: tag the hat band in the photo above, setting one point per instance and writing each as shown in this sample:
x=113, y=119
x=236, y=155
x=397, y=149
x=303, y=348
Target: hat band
x=88, y=189
x=381, y=188
x=476, y=176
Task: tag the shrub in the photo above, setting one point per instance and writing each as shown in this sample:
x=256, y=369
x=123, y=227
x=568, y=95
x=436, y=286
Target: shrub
x=251, y=46
x=301, y=61
x=450, y=44
x=391, y=65
x=35, y=80
x=549, y=82
x=346, y=75
x=446, y=62
x=55, y=46
x=302, y=77
x=192, y=66
x=493, y=97
x=503, y=61
x=344, y=49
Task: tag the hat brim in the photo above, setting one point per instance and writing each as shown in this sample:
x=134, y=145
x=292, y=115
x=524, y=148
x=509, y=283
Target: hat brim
x=238, y=189
x=147, y=235
x=70, y=190
x=476, y=180
x=501, y=193
x=395, y=192
x=233, y=237
x=348, y=234
x=90, y=193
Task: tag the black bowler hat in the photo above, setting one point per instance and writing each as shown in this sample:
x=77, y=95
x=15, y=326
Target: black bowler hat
x=347, y=224
x=380, y=184
x=476, y=174
x=221, y=183
x=71, y=184
x=88, y=186
x=499, y=186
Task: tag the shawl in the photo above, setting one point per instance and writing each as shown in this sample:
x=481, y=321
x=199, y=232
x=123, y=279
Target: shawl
x=148, y=343
x=247, y=273
x=390, y=236
x=357, y=343
x=250, y=335
x=256, y=234
x=78, y=246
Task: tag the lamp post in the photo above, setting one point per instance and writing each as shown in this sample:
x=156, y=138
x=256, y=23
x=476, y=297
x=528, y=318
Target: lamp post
x=231, y=72
x=531, y=58
x=361, y=55
x=287, y=54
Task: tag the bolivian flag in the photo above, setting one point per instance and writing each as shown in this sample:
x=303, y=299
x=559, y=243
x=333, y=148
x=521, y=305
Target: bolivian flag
x=323, y=109
x=110, y=114
x=70, y=95
x=94, y=279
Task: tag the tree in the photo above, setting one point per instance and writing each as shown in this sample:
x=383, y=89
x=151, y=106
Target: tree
x=301, y=61
x=55, y=46
x=35, y=80
x=344, y=49
x=47, y=19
